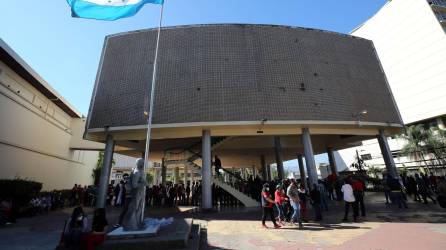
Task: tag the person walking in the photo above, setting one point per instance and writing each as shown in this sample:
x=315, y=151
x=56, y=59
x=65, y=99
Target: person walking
x=303, y=197
x=413, y=189
x=315, y=197
x=267, y=205
x=349, y=200
x=386, y=187
x=396, y=188
x=324, y=196
x=441, y=191
x=293, y=195
x=126, y=189
x=358, y=191
x=279, y=198
x=424, y=189
x=217, y=164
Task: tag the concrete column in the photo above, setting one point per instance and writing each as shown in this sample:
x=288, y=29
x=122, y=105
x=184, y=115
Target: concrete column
x=163, y=172
x=303, y=176
x=332, y=161
x=309, y=157
x=206, y=170
x=254, y=172
x=105, y=172
x=191, y=171
x=155, y=176
x=268, y=172
x=279, y=157
x=387, y=155
x=264, y=168
x=185, y=176
x=176, y=175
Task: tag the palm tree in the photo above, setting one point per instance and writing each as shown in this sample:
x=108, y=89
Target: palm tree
x=436, y=143
x=415, y=136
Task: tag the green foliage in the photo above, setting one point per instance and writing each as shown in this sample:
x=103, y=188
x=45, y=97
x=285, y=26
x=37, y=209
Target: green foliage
x=20, y=190
x=421, y=142
x=373, y=171
x=414, y=136
x=149, y=178
x=96, y=174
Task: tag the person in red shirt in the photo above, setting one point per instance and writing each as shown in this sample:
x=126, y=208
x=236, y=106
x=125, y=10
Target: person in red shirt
x=279, y=198
x=267, y=205
x=358, y=191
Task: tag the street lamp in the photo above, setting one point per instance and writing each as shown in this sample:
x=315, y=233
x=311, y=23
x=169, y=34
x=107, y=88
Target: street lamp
x=358, y=116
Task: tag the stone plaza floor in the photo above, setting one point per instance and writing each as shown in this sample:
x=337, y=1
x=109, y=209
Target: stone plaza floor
x=385, y=227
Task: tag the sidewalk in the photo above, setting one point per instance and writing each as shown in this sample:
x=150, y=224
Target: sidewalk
x=385, y=227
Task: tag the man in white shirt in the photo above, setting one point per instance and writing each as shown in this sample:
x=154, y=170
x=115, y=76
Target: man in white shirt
x=349, y=200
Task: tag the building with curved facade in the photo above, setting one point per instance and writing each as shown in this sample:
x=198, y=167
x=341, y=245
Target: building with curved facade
x=264, y=93
x=410, y=39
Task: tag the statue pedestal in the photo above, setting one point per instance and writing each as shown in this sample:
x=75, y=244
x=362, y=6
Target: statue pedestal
x=119, y=233
x=182, y=233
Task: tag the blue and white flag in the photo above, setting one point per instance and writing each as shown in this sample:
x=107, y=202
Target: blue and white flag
x=107, y=9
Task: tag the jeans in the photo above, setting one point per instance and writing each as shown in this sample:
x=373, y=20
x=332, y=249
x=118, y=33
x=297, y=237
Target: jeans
x=399, y=199
x=270, y=211
x=359, y=196
x=317, y=211
x=354, y=205
x=280, y=211
x=296, y=212
x=324, y=204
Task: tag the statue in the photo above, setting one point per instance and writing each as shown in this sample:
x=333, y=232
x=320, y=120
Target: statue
x=134, y=217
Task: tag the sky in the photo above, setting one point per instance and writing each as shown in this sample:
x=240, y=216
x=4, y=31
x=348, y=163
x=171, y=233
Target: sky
x=65, y=51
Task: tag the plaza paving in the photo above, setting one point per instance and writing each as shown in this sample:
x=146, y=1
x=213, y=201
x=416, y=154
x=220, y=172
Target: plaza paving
x=385, y=227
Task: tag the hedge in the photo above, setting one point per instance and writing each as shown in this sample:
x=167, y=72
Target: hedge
x=19, y=190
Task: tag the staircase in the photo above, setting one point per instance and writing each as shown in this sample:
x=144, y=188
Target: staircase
x=188, y=157
x=243, y=198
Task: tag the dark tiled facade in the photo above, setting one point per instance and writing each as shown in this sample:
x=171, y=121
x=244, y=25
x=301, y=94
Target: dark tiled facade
x=215, y=73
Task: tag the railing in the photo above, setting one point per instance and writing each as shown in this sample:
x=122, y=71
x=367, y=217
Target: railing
x=441, y=16
x=437, y=2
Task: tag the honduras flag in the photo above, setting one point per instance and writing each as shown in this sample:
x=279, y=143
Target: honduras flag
x=107, y=9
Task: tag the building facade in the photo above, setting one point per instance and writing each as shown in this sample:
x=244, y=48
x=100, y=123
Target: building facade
x=40, y=132
x=252, y=94
x=410, y=40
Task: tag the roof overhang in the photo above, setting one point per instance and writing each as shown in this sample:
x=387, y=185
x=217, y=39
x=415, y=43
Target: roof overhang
x=18, y=65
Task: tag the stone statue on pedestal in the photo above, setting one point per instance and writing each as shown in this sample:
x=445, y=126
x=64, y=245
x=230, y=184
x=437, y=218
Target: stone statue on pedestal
x=134, y=218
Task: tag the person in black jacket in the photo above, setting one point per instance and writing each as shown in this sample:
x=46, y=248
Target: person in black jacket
x=315, y=197
x=217, y=164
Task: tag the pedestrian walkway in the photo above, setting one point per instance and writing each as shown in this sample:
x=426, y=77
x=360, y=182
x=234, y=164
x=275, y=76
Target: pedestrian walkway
x=385, y=227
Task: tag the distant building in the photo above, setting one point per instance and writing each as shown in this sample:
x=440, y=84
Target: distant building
x=410, y=40
x=40, y=132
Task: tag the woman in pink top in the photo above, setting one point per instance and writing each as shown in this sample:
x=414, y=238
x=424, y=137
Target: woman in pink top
x=279, y=198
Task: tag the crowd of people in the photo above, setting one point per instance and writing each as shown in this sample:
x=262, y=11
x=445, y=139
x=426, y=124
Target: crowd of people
x=79, y=233
x=171, y=195
x=419, y=186
x=287, y=201
x=290, y=200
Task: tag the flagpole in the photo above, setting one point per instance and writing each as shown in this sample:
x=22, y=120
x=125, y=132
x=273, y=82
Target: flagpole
x=152, y=92
x=152, y=97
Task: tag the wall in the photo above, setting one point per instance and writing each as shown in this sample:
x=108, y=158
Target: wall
x=240, y=73
x=35, y=138
x=411, y=45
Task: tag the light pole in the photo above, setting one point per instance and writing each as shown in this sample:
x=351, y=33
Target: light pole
x=359, y=115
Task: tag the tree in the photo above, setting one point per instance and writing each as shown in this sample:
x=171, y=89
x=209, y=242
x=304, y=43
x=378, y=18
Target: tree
x=149, y=177
x=436, y=144
x=422, y=142
x=373, y=171
x=96, y=174
x=415, y=136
